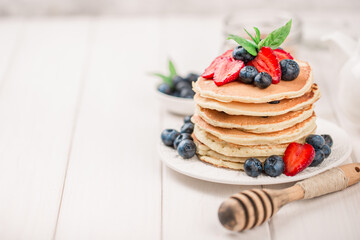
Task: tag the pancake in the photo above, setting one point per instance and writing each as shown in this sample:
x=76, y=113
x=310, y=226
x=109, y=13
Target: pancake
x=204, y=150
x=221, y=163
x=247, y=93
x=235, y=150
x=261, y=109
x=245, y=138
x=252, y=123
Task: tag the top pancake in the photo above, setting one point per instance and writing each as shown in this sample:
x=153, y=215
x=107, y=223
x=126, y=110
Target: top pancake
x=247, y=93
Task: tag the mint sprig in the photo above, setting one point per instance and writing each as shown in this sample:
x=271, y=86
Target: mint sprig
x=273, y=40
x=167, y=78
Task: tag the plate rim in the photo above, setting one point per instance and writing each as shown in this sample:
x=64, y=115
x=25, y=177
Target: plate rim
x=260, y=181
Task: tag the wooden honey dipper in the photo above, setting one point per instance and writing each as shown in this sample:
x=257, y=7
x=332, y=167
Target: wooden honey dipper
x=251, y=208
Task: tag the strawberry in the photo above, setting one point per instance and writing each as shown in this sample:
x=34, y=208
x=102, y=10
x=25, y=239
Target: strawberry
x=266, y=61
x=297, y=157
x=281, y=54
x=209, y=71
x=227, y=70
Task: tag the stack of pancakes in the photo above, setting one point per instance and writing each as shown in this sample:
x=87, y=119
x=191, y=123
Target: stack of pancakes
x=236, y=121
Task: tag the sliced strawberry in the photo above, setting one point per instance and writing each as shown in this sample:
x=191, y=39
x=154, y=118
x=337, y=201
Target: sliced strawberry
x=266, y=61
x=281, y=54
x=209, y=71
x=297, y=157
x=227, y=70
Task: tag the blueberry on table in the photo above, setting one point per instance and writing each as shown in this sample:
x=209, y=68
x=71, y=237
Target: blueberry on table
x=165, y=88
x=316, y=141
x=319, y=158
x=186, y=149
x=187, y=93
x=274, y=166
x=247, y=74
x=253, y=167
x=289, y=69
x=180, y=138
x=192, y=77
x=187, y=128
x=240, y=53
x=263, y=80
x=177, y=79
x=328, y=139
x=326, y=150
x=168, y=136
x=187, y=119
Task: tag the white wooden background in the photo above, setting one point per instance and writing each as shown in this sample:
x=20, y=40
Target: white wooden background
x=79, y=123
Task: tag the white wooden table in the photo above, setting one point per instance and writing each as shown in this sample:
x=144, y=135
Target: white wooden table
x=79, y=123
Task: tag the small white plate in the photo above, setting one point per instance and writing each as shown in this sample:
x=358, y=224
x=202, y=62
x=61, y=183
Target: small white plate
x=195, y=168
x=177, y=105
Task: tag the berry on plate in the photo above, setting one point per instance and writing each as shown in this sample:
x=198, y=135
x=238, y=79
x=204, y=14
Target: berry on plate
x=187, y=119
x=297, y=157
x=227, y=70
x=274, y=166
x=187, y=128
x=186, y=148
x=328, y=139
x=266, y=61
x=281, y=54
x=315, y=140
x=253, y=167
x=240, y=53
x=247, y=74
x=262, y=80
x=319, y=158
x=210, y=70
x=180, y=138
x=289, y=69
x=326, y=150
x=168, y=136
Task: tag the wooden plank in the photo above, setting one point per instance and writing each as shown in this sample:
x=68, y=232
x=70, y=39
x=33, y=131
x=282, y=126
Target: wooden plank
x=37, y=106
x=113, y=185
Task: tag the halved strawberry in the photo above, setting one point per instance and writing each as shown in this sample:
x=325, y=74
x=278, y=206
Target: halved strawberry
x=266, y=61
x=297, y=157
x=209, y=71
x=281, y=54
x=227, y=70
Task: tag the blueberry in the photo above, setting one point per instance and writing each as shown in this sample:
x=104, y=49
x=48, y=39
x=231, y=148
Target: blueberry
x=187, y=93
x=168, y=136
x=176, y=94
x=180, y=138
x=263, y=80
x=177, y=79
x=253, y=167
x=289, y=69
x=187, y=119
x=274, y=102
x=247, y=74
x=192, y=77
x=240, y=53
x=182, y=85
x=328, y=139
x=319, y=158
x=316, y=141
x=165, y=88
x=274, y=166
x=327, y=150
x=186, y=149
x=187, y=128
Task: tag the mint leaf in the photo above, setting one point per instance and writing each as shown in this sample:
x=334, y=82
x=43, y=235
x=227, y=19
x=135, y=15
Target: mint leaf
x=257, y=38
x=276, y=37
x=248, y=45
x=172, y=69
x=166, y=79
x=250, y=36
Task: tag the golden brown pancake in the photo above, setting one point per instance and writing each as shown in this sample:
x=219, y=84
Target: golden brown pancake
x=247, y=93
x=261, y=109
x=245, y=138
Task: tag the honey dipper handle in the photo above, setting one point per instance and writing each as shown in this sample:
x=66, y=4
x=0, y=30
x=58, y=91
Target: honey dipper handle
x=332, y=180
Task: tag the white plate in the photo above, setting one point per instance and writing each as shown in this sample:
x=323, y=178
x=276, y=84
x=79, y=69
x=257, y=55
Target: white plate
x=195, y=168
